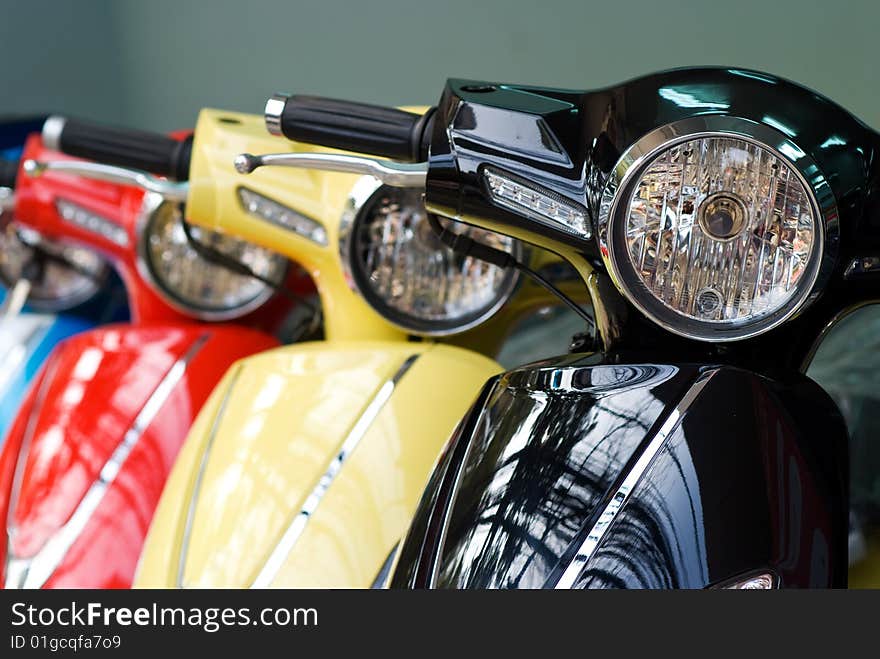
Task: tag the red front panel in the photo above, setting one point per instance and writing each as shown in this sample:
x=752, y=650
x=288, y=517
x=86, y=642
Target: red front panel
x=36, y=206
x=98, y=390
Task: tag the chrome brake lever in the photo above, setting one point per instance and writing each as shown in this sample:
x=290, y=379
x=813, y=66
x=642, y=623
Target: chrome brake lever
x=170, y=190
x=16, y=298
x=395, y=174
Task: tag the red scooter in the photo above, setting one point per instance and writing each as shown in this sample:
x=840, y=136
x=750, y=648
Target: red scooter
x=89, y=451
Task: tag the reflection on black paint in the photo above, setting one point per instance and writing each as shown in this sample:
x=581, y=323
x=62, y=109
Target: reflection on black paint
x=753, y=478
x=739, y=487
x=541, y=456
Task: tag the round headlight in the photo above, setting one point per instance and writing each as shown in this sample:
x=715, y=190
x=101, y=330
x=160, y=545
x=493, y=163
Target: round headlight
x=59, y=287
x=189, y=282
x=396, y=262
x=716, y=228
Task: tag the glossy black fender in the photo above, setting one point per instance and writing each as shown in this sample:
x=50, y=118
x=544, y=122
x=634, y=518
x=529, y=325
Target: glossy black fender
x=574, y=473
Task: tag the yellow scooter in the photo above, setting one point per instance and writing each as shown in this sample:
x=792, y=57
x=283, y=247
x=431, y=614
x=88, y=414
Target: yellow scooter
x=307, y=462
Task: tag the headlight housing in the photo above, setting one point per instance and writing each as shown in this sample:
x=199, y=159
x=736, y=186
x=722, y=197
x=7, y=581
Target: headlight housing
x=717, y=228
x=393, y=259
x=190, y=283
x=59, y=287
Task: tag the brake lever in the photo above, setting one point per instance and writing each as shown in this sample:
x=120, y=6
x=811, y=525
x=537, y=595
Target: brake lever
x=169, y=190
x=389, y=172
x=16, y=298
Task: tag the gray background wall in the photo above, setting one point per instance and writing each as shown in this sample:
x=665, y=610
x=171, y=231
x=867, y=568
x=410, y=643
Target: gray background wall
x=154, y=63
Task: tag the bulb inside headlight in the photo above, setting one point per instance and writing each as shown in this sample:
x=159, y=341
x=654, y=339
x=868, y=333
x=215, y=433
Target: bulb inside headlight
x=59, y=286
x=190, y=282
x=399, y=265
x=715, y=237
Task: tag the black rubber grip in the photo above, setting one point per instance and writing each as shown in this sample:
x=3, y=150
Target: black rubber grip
x=123, y=147
x=359, y=127
x=8, y=173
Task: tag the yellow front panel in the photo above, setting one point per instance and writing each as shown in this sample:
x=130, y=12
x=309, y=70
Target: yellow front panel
x=371, y=503
x=283, y=420
x=214, y=202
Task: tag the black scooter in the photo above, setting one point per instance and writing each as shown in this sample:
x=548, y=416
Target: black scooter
x=727, y=225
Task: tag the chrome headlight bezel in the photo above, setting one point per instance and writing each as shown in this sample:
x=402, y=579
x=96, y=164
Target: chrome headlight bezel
x=634, y=162
x=55, y=304
x=364, y=194
x=150, y=205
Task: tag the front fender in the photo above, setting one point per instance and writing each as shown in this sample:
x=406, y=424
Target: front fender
x=305, y=467
x=576, y=474
x=88, y=453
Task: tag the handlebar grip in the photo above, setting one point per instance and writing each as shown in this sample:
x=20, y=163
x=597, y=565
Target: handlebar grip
x=152, y=152
x=359, y=127
x=8, y=173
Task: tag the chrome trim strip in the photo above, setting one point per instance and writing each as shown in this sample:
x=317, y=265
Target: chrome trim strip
x=395, y=174
x=276, y=559
x=13, y=576
x=630, y=481
x=35, y=571
x=197, y=485
x=169, y=190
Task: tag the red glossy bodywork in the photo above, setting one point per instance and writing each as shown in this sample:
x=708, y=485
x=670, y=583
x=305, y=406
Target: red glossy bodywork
x=36, y=206
x=83, y=404
x=87, y=398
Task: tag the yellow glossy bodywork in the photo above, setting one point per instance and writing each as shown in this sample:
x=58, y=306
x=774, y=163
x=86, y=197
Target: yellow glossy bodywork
x=213, y=202
x=270, y=429
x=266, y=437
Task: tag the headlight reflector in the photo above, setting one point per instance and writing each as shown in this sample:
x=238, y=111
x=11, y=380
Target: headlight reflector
x=59, y=287
x=714, y=235
x=188, y=281
x=392, y=257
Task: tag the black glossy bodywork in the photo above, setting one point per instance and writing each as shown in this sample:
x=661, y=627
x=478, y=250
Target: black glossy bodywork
x=569, y=141
x=753, y=478
x=545, y=483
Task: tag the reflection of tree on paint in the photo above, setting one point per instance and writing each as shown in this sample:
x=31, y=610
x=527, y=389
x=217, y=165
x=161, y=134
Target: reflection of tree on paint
x=538, y=465
x=657, y=543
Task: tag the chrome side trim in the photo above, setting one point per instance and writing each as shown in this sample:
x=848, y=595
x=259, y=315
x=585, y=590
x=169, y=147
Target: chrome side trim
x=276, y=559
x=197, y=486
x=35, y=571
x=12, y=567
x=630, y=481
x=395, y=174
x=169, y=190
